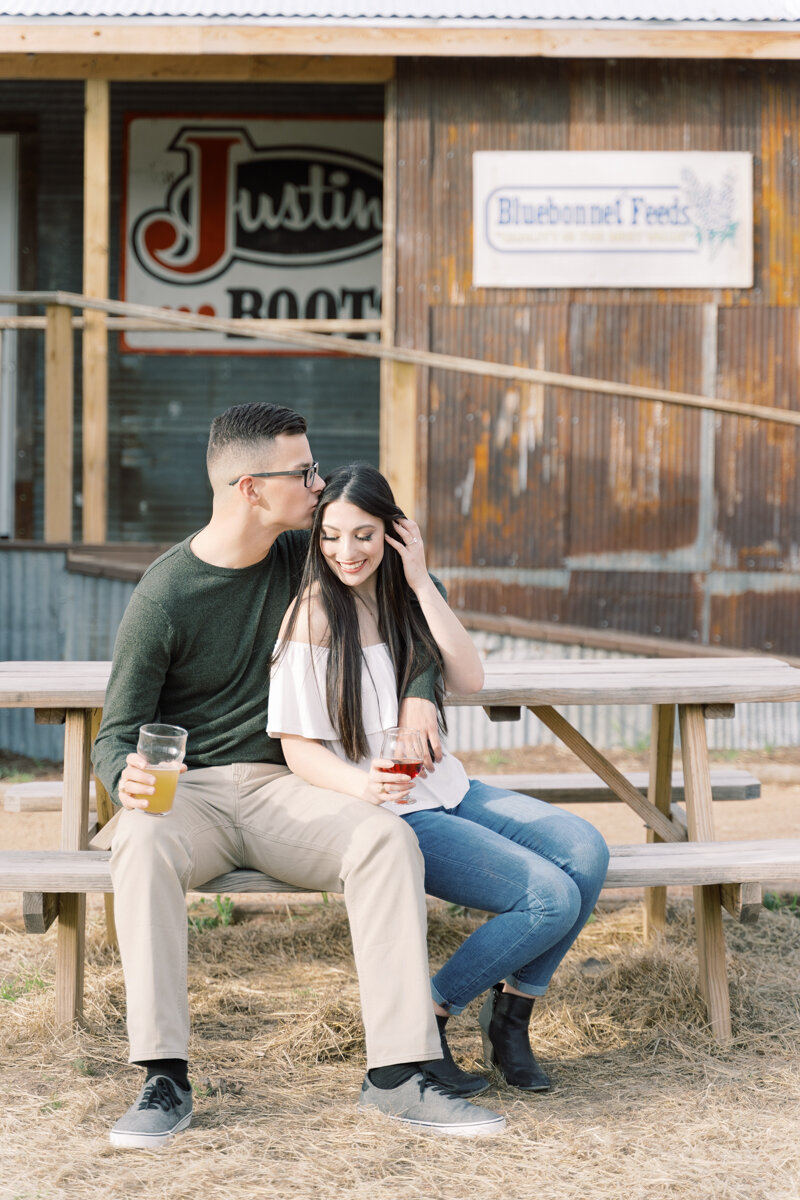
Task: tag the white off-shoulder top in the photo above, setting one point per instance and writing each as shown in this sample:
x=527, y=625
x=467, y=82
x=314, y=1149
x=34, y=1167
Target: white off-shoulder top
x=297, y=705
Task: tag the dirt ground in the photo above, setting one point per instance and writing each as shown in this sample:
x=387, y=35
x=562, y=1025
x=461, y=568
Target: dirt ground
x=645, y=1104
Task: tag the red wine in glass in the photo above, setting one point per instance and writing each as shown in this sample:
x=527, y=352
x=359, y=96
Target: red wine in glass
x=404, y=748
x=405, y=768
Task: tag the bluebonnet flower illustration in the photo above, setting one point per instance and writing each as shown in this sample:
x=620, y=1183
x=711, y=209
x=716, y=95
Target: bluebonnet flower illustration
x=710, y=210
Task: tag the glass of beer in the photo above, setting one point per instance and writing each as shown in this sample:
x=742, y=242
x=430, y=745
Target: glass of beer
x=164, y=747
x=404, y=747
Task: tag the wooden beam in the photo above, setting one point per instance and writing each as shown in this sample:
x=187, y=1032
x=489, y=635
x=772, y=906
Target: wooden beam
x=220, y=68
x=403, y=354
x=744, y=901
x=58, y=424
x=388, y=275
x=610, y=775
x=74, y=836
x=707, y=900
x=96, y=180
x=96, y=40
x=39, y=910
x=659, y=793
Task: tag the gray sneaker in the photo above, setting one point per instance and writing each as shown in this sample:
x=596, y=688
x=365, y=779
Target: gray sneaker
x=430, y=1108
x=160, y=1110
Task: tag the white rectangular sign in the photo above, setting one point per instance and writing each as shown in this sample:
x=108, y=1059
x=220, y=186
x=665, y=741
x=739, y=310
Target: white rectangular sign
x=242, y=216
x=607, y=219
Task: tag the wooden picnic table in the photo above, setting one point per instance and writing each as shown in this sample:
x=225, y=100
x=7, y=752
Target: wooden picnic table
x=700, y=689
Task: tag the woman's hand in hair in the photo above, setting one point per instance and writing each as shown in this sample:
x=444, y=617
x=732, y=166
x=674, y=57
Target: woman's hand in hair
x=382, y=785
x=408, y=544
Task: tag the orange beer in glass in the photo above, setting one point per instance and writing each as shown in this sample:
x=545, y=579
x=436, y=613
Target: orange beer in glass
x=164, y=747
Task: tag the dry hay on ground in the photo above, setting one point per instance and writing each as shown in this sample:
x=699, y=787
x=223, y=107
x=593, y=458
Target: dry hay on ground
x=645, y=1105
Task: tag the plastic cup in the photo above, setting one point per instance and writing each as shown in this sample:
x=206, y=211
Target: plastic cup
x=164, y=747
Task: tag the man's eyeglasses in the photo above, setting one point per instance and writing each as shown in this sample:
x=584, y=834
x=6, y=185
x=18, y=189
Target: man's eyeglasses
x=309, y=474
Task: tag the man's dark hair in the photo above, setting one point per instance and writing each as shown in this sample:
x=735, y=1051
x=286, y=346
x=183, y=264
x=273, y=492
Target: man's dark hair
x=246, y=423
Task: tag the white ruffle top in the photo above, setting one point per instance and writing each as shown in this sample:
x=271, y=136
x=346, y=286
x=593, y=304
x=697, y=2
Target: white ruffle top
x=297, y=705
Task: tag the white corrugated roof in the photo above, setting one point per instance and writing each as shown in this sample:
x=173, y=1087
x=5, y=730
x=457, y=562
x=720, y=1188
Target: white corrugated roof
x=726, y=11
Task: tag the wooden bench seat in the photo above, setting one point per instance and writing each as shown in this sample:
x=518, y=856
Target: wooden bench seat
x=573, y=787
x=657, y=864
x=769, y=860
x=730, y=873
x=44, y=795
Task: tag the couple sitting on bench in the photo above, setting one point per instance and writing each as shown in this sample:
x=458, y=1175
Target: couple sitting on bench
x=285, y=776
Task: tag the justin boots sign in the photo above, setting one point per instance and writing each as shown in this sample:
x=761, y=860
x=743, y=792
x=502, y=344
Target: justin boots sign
x=251, y=217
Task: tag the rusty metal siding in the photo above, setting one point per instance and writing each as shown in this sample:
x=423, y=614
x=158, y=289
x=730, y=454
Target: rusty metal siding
x=498, y=488
x=601, y=510
x=758, y=522
x=635, y=467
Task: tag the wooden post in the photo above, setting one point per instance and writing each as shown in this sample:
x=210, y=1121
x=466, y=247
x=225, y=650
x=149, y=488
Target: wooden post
x=399, y=446
x=95, y=333
x=72, y=907
x=659, y=793
x=105, y=811
x=58, y=424
x=707, y=900
x=398, y=418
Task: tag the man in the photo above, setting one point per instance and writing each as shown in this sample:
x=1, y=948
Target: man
x=193, y=650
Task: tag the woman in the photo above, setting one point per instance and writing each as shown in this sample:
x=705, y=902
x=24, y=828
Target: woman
x=367, y=620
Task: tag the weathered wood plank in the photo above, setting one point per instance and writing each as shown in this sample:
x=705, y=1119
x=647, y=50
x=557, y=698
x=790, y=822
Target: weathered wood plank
x=40, y=795
x=768, y=861
x=96, y=41
x=584, y=787
x=510, y=684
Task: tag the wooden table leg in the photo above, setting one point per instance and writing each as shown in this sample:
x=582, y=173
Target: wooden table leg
x=74, y=826
x=105, y=811
x=659, y=793
x=707, y=900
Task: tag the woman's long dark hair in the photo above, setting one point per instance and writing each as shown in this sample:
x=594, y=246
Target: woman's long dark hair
x=401, y=622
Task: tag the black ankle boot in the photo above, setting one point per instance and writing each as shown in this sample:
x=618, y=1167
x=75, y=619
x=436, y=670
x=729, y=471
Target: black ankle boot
x=504, y=1022
x=446, y=1071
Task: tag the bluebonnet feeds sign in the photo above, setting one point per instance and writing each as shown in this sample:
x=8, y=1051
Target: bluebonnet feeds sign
x=251, y=217
x=597, y=219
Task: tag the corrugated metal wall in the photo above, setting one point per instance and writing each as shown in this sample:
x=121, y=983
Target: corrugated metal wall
x=50, y=614
x=160, y=406
x=47, y=613
x=595, y=511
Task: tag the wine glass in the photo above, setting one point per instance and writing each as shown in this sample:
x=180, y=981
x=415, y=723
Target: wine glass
x=403, y=747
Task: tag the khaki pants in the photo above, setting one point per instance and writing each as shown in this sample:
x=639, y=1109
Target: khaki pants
x=263, y=817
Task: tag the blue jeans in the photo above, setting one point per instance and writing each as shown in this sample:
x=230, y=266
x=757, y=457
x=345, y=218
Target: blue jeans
x=540, y=869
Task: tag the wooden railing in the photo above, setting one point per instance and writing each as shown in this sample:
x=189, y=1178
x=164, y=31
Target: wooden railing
x=399, y=402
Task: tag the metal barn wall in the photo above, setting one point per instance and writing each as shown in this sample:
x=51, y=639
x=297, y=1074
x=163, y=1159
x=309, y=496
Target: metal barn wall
x=160, y=406
x=48, y=613
x=606, y=512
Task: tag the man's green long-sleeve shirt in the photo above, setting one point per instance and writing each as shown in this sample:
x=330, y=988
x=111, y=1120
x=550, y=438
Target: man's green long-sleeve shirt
x=193, y=649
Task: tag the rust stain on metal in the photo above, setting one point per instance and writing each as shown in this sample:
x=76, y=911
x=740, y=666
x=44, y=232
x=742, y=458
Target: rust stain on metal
x=525, y=478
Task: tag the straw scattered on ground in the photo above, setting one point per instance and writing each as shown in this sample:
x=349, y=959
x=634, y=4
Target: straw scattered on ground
x=645, y=1104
